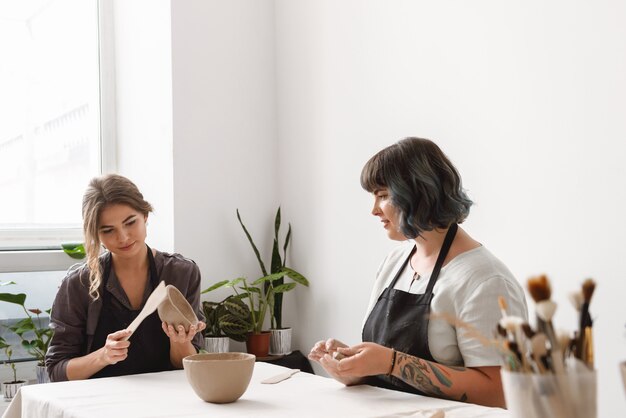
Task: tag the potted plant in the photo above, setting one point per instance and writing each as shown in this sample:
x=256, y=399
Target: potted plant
x=258, y=298
x=227, y=319
x=274, y=285
x=34, y=335
x=9, y=389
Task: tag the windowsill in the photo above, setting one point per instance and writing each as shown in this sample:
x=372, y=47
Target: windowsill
x=35, y=260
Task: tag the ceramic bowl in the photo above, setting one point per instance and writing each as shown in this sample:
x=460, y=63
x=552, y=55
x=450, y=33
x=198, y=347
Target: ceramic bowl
x=175, y=310
x=219, y=377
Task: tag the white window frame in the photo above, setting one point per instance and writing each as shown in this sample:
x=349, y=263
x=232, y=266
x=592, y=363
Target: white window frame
x=53, y=259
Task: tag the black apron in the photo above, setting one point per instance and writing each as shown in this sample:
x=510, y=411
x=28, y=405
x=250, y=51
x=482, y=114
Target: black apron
x=149, y=349
x=399, y=320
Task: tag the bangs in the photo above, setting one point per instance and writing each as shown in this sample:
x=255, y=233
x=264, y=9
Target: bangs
x=372, y=175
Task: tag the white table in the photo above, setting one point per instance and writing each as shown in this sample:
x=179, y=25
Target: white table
x=168, y=394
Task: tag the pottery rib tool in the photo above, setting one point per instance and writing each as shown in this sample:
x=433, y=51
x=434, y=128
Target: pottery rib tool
x=153, y=302
x=280, y=377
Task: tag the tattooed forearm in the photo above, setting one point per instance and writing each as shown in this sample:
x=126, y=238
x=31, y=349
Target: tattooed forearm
x=427, y=376
x=414, y=371
x=441, y=375
x=479, y=385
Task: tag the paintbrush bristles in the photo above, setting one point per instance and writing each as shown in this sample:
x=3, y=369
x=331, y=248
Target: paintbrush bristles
x=539, y=288
x=576, y=298
x=501, y=331
x=588, y=287
x=528, y=331
x=502, y=303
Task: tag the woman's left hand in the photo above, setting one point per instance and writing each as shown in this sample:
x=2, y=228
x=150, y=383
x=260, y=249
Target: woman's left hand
x=179, y=335
x=365, y=359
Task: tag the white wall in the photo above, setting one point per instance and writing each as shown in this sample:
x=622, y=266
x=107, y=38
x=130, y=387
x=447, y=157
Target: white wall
x=283, y=102
x=527, y=98
x=197, y=127
x=225, y=145
x=143, y=80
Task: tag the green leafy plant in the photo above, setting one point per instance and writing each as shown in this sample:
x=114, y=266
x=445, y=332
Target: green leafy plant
x=228, y=318
x=74, y=250
x=273, y=281
x=9, y=352
x=34, y=336
x=257, y=295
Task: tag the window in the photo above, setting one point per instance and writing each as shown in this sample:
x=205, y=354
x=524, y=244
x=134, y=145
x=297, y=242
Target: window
x=56, y=98
x=50, y=142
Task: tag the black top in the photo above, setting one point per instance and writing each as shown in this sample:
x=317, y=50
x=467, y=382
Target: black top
x=149, y=349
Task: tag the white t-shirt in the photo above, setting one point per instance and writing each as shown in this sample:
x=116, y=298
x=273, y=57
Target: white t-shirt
x=468, y=288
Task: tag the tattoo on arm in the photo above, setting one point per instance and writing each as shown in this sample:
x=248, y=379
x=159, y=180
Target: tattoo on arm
x=440, y=375
x=414, y=371
x=427, y=376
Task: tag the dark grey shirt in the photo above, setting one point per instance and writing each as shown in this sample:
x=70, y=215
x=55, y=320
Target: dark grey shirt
x=75, y=315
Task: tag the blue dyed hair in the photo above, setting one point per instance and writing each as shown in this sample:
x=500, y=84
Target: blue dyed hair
x=423, y=185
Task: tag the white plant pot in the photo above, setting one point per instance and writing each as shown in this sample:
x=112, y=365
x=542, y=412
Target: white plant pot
x=280, y=342
x=9, y=389
x=42, y=374
x=217, y=344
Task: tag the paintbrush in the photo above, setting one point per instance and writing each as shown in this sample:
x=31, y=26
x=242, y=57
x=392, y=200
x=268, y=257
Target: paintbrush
x=584, y=348
x=539, y=352
x=516, y=356
x=513, y=327
x=540, y=291
x=512, y=324
x=564, y=339
x=575, y=345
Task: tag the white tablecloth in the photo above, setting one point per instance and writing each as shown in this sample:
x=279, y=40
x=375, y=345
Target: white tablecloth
x=168, y=394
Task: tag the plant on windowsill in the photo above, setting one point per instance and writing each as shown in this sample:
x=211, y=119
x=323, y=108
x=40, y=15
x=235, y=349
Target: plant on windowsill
x=9, y=389
x=227, y=319
x=34, y=336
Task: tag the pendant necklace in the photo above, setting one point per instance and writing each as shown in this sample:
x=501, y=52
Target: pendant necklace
x=416, y=277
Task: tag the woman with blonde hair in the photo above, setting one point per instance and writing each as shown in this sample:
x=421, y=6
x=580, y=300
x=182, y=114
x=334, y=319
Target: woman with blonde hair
x=96, y=303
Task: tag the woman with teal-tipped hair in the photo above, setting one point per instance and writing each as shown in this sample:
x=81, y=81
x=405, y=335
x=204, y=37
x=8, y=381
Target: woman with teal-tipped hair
x=437, y=269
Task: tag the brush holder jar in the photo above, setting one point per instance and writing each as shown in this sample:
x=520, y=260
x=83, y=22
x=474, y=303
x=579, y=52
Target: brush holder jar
x=569, y=395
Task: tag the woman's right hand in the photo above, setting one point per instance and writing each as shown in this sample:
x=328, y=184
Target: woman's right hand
x=116, y=347
x=323, y=352
x=321, y=348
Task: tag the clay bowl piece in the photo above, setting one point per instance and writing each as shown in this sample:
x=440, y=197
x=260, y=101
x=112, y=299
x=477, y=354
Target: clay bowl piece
x=175, y=310
x=219, y=377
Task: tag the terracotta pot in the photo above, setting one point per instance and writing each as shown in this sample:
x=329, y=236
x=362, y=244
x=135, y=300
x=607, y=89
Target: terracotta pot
x=258, y=344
